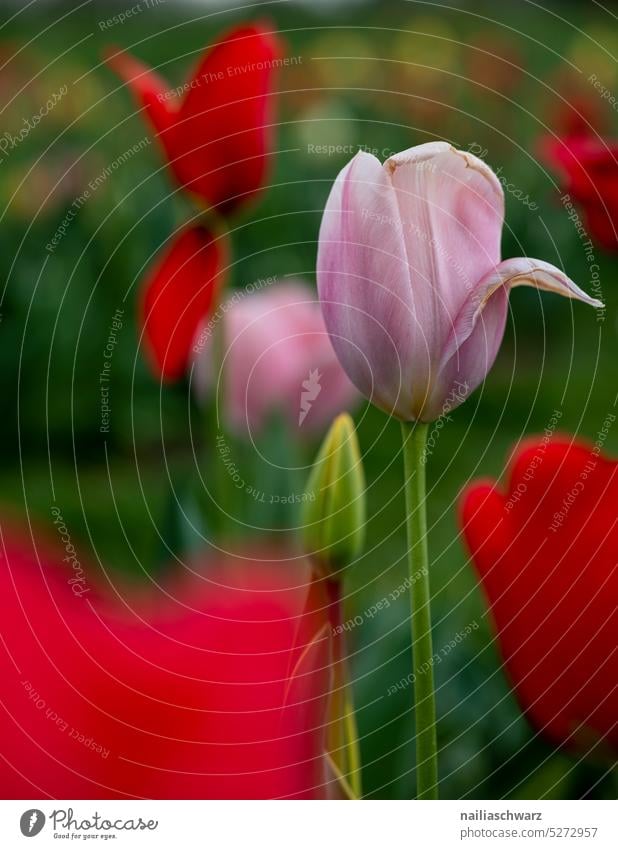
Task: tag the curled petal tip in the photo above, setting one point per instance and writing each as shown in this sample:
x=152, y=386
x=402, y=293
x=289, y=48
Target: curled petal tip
x=522, y=271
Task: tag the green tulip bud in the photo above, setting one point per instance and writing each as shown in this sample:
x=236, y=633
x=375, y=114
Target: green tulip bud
x=334, y=519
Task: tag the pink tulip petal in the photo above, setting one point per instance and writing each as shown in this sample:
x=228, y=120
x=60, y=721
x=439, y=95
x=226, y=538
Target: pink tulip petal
x=522, y=271
x=365, y=287
x=470, y=363
x=453, y=208
x=519, y=271
x=477, y=331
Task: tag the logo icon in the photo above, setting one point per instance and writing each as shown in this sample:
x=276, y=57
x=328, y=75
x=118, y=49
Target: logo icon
x=32, y=822
x=311, y=390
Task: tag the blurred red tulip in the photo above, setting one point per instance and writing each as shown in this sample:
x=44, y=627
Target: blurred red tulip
x=545, y=551
x=178, y=295
x=217, y=689
x=215, y=129
x=589, y=166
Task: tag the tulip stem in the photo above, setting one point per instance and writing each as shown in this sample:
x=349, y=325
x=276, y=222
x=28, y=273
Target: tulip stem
x=220, y=478
x=414, y=439
x=354, y=760
x=343, y=741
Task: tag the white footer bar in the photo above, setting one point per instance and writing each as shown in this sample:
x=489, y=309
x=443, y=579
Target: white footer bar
x=314, y=825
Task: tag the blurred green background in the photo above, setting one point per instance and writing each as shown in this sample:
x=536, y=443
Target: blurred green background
x=486, y=77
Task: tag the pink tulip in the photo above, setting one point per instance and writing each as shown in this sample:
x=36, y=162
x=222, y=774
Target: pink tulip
x=413, y=292
x=278, y=358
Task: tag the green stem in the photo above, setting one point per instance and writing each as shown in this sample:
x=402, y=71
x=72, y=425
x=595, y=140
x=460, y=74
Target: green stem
x=354, y=759
x=219, y=481
x=414, y=439
x=343, y=739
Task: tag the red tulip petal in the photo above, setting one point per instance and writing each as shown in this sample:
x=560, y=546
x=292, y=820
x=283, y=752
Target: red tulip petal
x=546, y=555
x=222, y=136
x=183, y=697
x=306, y=697
x=589, y=167
x=148, y=88
x=178, y=295
x=485, y=526
x=216, y=130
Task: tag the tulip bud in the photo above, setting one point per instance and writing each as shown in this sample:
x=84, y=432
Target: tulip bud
x=334, y=521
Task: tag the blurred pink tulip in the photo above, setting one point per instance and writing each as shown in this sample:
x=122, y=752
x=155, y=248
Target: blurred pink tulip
x=413, y=292
x=278, y=358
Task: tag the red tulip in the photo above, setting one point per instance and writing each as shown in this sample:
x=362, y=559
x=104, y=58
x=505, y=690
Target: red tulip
x=214, y=129
x=589, y=166
x=178, y=295
x=216, y=690
x=545, y=547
